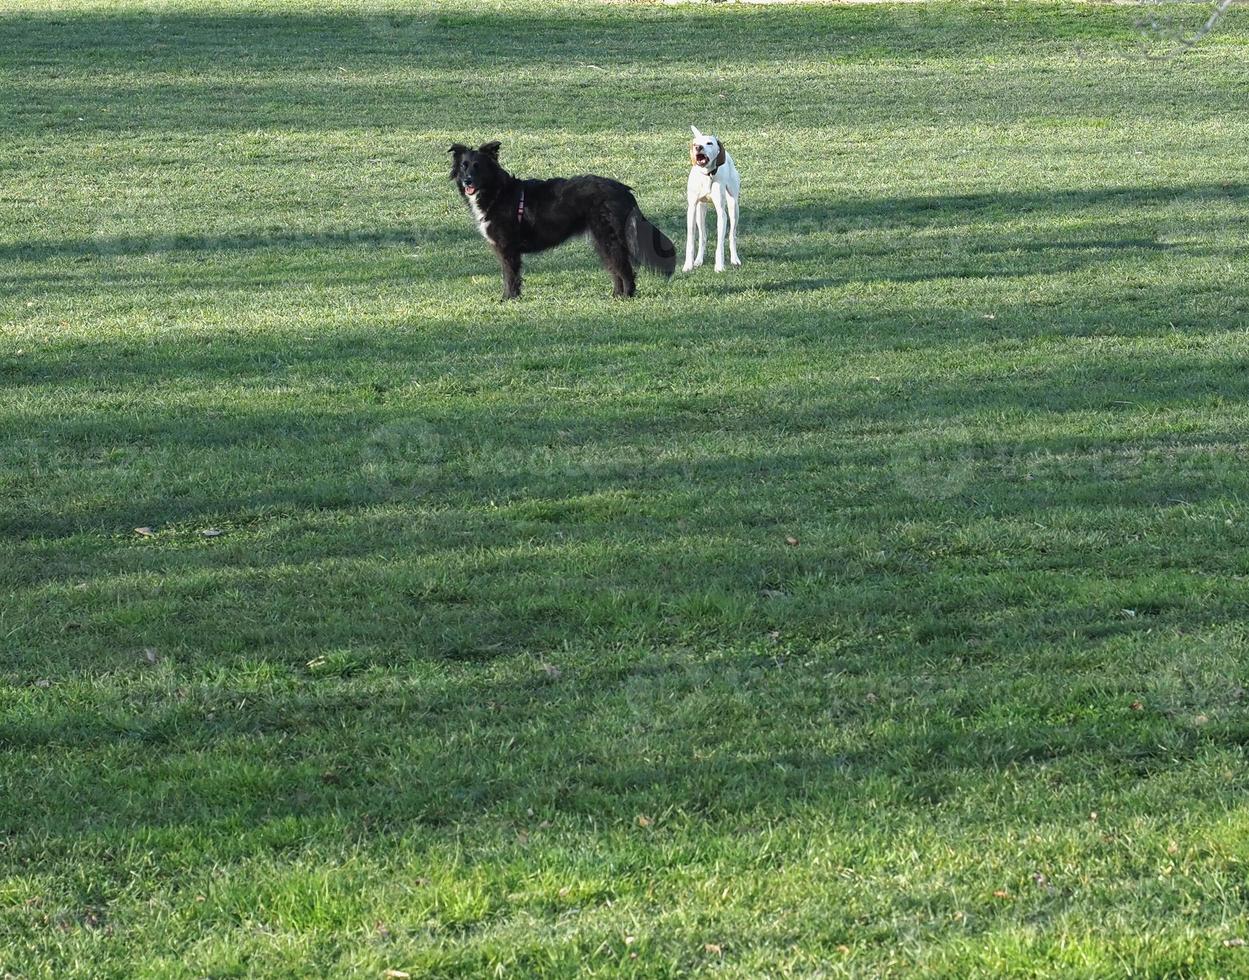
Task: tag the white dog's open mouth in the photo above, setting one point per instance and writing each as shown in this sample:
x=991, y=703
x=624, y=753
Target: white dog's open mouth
x=700, y=158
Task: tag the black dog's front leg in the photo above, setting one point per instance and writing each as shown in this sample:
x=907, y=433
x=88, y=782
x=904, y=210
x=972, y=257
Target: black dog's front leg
x=509, y=259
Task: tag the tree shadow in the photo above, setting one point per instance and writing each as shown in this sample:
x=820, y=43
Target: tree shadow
x=955, y=210
x=980, y=249
x=968, y=524
x=195, y=73
x=680, y=729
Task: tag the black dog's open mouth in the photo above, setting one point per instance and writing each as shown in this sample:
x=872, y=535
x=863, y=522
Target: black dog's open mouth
x=701, y=158
x=470, y=189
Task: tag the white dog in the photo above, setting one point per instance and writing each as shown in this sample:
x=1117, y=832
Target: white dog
x=714, y=178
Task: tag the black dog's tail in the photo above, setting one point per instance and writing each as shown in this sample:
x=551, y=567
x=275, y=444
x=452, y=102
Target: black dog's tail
x=650, y=246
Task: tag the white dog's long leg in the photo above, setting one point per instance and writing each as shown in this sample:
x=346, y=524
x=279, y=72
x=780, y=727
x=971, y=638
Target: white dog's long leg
x=702, y=231
x=734, y=200
x=717, y=198
x=690, y=214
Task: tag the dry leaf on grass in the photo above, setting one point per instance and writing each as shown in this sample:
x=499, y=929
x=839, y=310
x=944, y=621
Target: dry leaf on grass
x=644, y=821
x=211, y=532
x=791, y=541
x=145, y=532
x=396, y=975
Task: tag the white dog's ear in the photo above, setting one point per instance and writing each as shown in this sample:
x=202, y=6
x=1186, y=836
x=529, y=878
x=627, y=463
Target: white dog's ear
x=697, y=134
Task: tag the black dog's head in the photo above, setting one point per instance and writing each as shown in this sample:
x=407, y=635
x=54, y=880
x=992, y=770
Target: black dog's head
x=475, y=170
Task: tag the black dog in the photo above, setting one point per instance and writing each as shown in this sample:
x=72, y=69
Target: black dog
x=517, y=216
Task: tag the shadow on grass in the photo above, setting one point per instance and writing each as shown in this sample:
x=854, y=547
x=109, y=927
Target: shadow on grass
x=433, y=36
x=188, y=73
x=946, y=210
x=970, y=551
x=641, y=549
x=135, y=462
x=976, y=253
x=207, y=244
x=693, y=736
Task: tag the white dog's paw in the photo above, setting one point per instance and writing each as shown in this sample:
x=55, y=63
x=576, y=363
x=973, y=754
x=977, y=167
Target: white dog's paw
x=697, y=263
x=735, y=260
x=688, y=267
x=719, y=267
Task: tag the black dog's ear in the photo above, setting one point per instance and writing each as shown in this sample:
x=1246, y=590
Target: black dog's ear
x=457, y=150
x=490, y=149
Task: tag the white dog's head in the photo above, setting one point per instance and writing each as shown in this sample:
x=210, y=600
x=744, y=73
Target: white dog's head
x=705, y=151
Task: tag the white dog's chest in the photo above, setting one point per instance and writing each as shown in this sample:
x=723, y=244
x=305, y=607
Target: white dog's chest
x=482, y=225
x=700, y=187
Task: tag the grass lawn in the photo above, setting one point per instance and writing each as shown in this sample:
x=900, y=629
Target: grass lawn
x=878, y=609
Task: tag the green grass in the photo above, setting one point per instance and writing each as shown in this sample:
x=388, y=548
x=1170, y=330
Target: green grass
x=503, y=664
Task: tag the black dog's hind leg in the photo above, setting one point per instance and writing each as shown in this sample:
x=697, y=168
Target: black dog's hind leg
x=509, y=259
x=613, y=249
x=627, y=285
